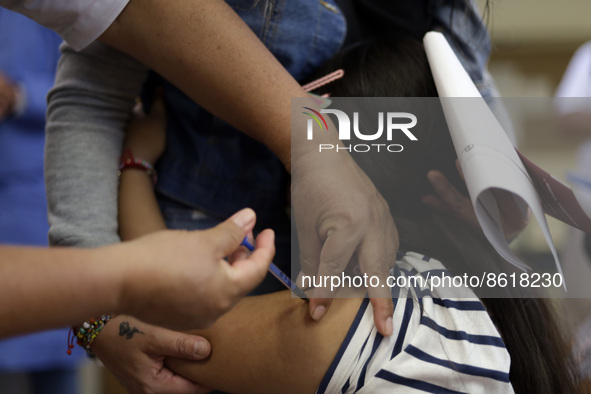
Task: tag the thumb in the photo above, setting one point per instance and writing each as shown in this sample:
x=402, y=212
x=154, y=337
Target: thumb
x=177, y=344
x=227, y=236
x=245, y=274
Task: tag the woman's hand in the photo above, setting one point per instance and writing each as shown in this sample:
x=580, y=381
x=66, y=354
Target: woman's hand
x=146, y=133
x=134, y=352
x=180, y=279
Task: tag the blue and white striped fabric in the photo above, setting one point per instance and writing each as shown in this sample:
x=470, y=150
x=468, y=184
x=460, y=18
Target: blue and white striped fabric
x=440, y=345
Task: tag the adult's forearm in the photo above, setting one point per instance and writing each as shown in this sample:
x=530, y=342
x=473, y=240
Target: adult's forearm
x=49, y=288
x=205, y=49
x=88, y=110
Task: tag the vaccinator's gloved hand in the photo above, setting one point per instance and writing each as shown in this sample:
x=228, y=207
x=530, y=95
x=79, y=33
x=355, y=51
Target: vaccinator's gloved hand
x=341, y=216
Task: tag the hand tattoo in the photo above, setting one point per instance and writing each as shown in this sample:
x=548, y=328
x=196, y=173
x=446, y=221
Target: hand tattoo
x=127, y=331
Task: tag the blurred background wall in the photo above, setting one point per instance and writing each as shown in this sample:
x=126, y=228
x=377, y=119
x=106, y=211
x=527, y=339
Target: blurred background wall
x=533, y=41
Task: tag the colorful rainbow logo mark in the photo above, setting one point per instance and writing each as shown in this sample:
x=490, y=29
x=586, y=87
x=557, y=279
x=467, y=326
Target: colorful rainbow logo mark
x=315, y=115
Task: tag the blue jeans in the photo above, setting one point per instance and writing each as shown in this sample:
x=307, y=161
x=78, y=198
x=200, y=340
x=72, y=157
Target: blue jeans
x=210, y=166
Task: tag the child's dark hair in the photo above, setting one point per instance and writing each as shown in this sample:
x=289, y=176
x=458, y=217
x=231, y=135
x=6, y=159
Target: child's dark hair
x=541, y=360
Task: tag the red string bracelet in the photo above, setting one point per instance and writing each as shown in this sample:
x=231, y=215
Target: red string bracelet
x=128, y=161
x=71, y=336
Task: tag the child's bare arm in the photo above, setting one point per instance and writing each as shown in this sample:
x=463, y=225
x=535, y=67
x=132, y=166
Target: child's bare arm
x=139, y=213
x=269, y=344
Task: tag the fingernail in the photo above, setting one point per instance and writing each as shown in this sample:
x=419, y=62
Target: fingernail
x=244, y=218
x=389, y=329
x=201, y=349
x=318, y=312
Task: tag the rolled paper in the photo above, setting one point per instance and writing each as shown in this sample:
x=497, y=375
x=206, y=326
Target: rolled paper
x=487, y=157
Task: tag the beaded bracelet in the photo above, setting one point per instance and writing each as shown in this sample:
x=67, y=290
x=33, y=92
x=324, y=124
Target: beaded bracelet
x=87, y=333
x=128, y=161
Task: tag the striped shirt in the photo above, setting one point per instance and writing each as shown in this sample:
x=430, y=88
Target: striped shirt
x=440, y=345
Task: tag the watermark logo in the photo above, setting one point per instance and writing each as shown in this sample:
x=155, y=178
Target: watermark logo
x=390, y=122
x=317, y=117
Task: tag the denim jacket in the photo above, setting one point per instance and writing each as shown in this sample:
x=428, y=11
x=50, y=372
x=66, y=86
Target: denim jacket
x=210, y=166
